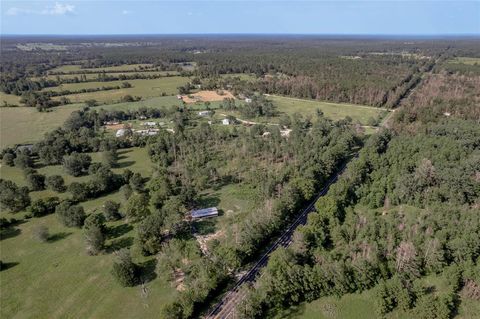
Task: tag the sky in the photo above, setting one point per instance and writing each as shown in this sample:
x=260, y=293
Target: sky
x=357, y=17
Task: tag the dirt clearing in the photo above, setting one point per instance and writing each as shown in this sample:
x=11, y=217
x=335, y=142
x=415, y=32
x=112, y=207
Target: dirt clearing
x=204, y=96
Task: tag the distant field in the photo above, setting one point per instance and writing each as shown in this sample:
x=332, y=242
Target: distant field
x=9, y=98
x=142, y=88
x=58, y=280
x=77, y=67
x=93, y=76
x=26, y=124
x=155, y=102
x=465, y=60
x=334, y=111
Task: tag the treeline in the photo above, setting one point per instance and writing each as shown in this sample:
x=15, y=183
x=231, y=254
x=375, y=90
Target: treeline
x=107, y=77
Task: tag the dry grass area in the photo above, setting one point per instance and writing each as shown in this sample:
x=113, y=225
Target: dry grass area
x=115, y=126
x=207, y=96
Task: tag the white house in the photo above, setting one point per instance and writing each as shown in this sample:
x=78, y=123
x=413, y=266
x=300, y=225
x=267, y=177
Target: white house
x=248, y=100
x=226, y=122
x=149, y=123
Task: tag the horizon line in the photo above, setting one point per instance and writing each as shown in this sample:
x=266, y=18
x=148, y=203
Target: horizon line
x=244, y=34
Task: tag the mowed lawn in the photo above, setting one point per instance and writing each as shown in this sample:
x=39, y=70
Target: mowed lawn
x=25, y=124
x=57, y=279
x=334, y=111
x=143, y=88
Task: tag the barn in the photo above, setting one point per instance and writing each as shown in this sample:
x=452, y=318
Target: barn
x=204, y=213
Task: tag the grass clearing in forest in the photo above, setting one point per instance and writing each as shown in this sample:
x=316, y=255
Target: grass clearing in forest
x=78, y=68
x=20, y=125
x=334, y=111
x=144, y=88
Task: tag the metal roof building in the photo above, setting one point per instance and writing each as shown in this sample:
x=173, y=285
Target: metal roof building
x=205, y=212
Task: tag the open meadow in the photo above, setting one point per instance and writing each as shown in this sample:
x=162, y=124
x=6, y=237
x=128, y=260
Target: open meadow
x=57, y=279
x=19, y=125
x=333, y=111
x=141, y=87
x=78, y=68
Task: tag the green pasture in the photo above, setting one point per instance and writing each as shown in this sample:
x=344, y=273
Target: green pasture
x=57, y=279
x=143, y=88
x=26, y=125
x=77, y=68
x=94, y=76
x=334, y=111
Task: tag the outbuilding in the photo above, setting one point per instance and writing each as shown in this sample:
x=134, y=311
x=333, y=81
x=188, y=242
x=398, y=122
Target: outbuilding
x=226, y=122
x=204, y=213
x=204, y=113
x=121, y=132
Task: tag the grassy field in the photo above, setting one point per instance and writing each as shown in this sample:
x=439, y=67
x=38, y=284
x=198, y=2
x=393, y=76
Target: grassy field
x=93, y=76
x=334, y=111
x=142, y=88
x=57, y=279
x=77, y=68
x=135, y=159
x=26, y=124
x=9, y=98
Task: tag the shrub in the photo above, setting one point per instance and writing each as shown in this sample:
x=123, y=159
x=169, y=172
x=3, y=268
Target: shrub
x=8, y=159
x=110, y=210
x=56, y=183
x=124, y=270
x=35, y=181
x=42, y=207
x=13, y=197
x=76, y=164
x=70, y=215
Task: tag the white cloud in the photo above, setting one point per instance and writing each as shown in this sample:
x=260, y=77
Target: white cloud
x=59, y=9
x=125, y=12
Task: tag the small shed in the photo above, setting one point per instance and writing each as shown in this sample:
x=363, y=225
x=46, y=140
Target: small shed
x=248, y=100
x=204, y=213
x=121, y=132
x=226, y=122
x=204, y=113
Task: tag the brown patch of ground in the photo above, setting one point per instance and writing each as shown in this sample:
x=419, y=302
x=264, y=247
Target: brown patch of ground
x=204, y=96
x=178, y=278
x=115, y=126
